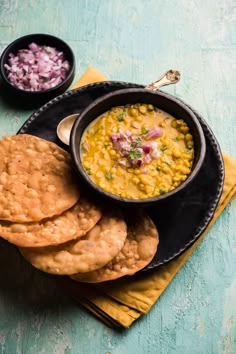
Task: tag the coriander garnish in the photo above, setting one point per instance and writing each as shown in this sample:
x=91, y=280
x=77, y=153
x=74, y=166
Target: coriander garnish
x=144, y=131
x=109, y=175
x=168, y=162
x=120, y=117
x=96, y=131
x=136, y=143
x=135, y=154
x=83, y=149
x=88, y=171
x=162, y=190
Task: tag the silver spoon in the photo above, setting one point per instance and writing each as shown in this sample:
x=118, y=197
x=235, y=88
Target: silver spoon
x=64, y=128
x=170, y=77
x=65, y=125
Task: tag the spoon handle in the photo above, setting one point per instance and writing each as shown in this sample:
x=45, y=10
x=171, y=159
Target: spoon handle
x=170, y=77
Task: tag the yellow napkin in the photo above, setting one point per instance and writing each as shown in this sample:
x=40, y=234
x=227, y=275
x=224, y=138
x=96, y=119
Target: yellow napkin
x=119, y=303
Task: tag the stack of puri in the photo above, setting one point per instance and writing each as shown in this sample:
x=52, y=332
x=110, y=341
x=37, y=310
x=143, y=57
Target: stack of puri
x=56, y=229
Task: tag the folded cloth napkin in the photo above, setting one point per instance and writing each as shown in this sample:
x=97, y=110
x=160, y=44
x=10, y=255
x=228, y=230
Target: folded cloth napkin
x=119, y=303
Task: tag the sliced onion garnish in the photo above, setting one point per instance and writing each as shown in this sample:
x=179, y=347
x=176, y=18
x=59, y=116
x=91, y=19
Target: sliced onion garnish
x=37, y=68
x=146, y=148
x=153, y=133
x=155, y=153
x=134, y=151
x=139, y=162
x=135, y=125
x=147, y=158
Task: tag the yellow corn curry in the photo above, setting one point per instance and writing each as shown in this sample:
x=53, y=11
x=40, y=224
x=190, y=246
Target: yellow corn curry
x=137, y=151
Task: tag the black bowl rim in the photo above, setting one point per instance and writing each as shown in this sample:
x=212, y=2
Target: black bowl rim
x=68, y=78
x=126, y=201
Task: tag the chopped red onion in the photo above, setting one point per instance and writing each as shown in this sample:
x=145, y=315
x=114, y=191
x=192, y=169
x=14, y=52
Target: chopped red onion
x=133, y=150
x=124, y=153
x=155, y=153
x=154, y=145
x=139, y=163
x=135, y=125
x=128, y=133
x=147, y=158
x=124, y=162
x=146, y=149
x=153, y=133
x=38, y=68
x=114, y=137
x=117, y=145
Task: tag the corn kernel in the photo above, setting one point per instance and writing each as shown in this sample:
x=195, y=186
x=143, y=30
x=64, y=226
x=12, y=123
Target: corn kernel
x=148, y=189
x=135, y=180
x=176, y=153
x=173, y=123
x=133, y=112
x=150, y=107
x=184, y=129
x=112, y=152
x=143, y=109
x=189, y=144
x=165, y=169
x=153, y=173
x=86, y=164
x=180, y=136
x=184, y=170
x=188, y=137
x=123, y=195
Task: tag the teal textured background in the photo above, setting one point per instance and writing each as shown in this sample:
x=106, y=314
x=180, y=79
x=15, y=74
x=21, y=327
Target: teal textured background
x=136, y=41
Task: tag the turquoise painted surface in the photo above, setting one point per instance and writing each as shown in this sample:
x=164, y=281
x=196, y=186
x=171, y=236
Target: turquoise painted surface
x=135, y=40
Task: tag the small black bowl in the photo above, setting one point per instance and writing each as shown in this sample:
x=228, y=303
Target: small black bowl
x=159, y=99
x=36, y=97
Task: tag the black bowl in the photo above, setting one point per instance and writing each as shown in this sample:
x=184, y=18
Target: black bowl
x=36, y=97
x=160, y=100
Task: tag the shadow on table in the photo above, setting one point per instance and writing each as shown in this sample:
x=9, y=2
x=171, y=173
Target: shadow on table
x=16, y=102
x=24, y=288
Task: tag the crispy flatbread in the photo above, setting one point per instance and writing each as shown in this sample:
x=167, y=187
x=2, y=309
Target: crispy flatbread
x=139, y=249
x=37, y=180
x=71, y=224
x=101, y=244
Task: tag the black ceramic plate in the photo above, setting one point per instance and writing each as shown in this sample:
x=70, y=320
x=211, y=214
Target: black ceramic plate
x=180, y=220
